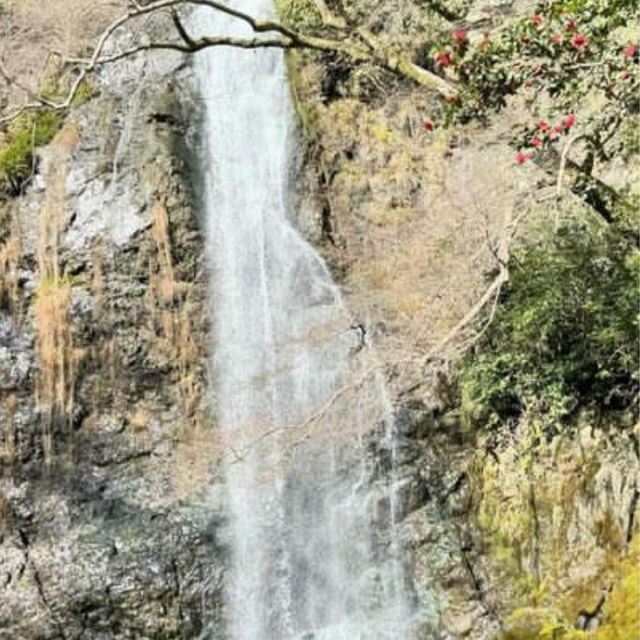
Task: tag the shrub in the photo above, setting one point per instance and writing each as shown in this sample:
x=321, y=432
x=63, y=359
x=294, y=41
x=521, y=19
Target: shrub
x=17, y=155
x=564, y=335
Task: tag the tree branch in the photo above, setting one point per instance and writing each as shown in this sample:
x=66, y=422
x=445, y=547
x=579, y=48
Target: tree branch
x=598, y=195
x=286, y=38
x=180, y=28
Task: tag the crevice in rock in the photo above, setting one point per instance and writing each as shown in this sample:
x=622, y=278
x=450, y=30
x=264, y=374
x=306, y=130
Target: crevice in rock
x=590, y=620
x=476, y=581
x=633, y=505
x=124, y=459
x=28, y=562
x=536, y=532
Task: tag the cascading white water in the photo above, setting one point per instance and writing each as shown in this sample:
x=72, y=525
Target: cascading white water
x=309, y=527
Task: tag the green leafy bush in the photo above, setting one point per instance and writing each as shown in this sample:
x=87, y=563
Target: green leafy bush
x=17, y=154
x=564, y=335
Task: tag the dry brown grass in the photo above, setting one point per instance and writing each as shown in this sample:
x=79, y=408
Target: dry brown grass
x=170, y=313
x=58, y=358
x=10, y=254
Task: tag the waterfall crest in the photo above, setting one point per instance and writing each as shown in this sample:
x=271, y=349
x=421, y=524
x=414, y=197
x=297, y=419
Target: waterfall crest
x=310, y=523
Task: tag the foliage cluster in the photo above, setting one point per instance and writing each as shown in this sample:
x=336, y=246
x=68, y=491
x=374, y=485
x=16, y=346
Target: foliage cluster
x=564, y=334
x=31, y=130
x=17, y=154
x=574, y=61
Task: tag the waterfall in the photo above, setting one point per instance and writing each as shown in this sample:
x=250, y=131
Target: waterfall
x=310, y=512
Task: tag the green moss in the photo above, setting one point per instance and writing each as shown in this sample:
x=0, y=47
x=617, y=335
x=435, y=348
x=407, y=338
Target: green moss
x=17, y=155
x=86, y=91
x=381, y=133
x=298, y=13
x=619, y=618
x=530, y=623
x=621, y=611
x=53, y=285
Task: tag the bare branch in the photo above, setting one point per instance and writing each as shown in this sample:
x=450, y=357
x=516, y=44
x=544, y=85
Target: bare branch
x=203, y=43
x=180, y=28
x=370, y=52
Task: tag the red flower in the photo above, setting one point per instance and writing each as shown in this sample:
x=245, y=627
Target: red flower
x=557, y=37
x=557, y=129
x=460, y=36
x=537, y=19
x=571, y=26
x=537, y=70
x=579, y=41
x=523, y=156
x=536, y=142
x=428, y=125
x=443, y=59
x=569, y=121
x=543, y=125
x=630, y=51
x=624, y=75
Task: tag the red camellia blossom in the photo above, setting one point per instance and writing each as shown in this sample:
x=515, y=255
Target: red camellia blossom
x=428, y=125
x=543, y=125
x=536, y=142
x=537, y=19
x=460, y=36
x=579, y=41
x=443, y=59
x=523, y=156
x=569, y=121
x=571, y=26
x=630, y=51
x=557, y=37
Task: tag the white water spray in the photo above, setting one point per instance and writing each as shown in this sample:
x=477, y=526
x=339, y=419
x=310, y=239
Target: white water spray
x=309, y=525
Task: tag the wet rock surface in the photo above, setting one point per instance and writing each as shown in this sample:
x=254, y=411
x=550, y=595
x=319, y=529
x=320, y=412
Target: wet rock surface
x=110, y=529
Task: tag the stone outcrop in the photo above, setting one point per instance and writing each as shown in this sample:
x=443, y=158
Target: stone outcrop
x=109, y=525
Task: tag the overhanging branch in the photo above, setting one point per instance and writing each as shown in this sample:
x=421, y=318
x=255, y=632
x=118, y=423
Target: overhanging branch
x=283, y=37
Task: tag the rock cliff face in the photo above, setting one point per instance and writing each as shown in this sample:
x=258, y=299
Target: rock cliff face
x=108, y=527
x=111, y=515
